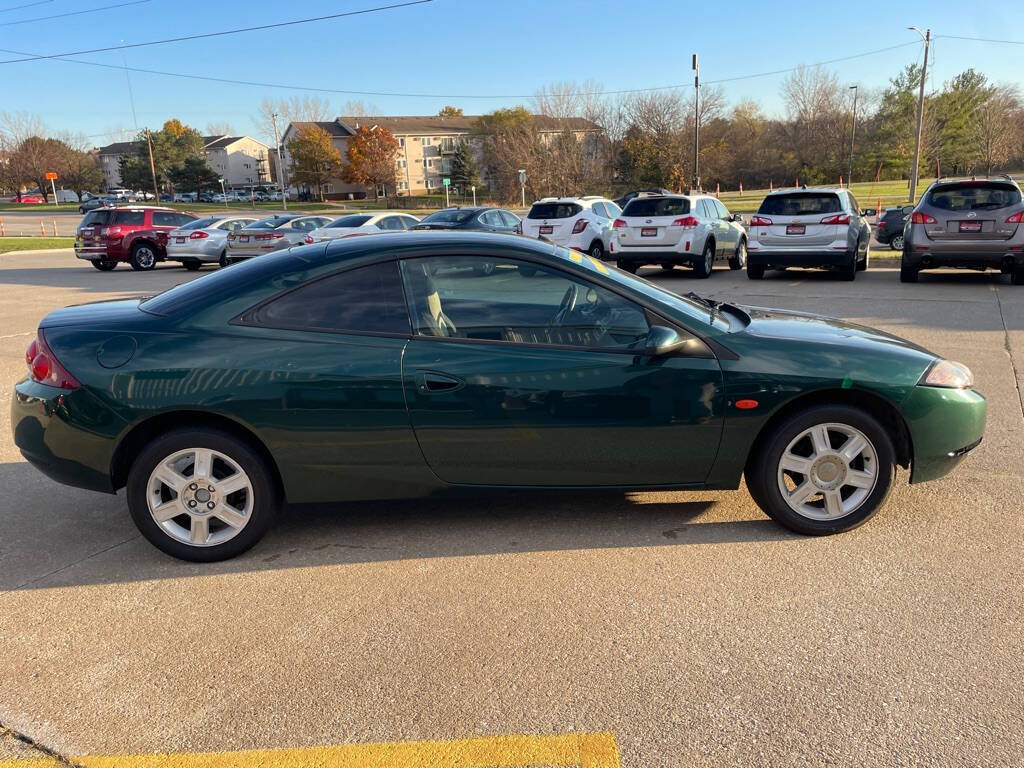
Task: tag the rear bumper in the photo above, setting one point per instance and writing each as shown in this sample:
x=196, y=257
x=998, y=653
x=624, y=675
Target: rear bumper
x=185, y=253
x=945, y=425
x=43, y=422
x=761, y=256
x=927, y=259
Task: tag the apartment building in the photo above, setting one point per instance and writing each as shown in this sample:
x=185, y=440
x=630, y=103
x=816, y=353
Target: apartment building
x=241, y=160
x=426, y=145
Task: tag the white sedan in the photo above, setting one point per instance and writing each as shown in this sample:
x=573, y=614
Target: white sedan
x=355, y=224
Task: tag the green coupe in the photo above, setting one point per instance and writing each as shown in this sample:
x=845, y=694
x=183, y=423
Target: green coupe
x=425, y=363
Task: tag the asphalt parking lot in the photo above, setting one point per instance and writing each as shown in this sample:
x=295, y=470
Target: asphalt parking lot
x=665, y=628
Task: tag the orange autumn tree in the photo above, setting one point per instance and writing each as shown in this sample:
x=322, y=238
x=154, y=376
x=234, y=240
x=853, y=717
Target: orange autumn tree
x=314, y=159
x=370, y=159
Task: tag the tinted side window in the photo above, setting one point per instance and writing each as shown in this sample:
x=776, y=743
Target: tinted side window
x=723, y=212
x=170, y=219
x=518, y=303
x=363, y=300
x=511, y=220
x=130, y=218
x=492, y=219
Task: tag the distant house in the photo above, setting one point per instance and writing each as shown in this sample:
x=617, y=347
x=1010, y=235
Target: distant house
x=426, y=146
x=241, y=161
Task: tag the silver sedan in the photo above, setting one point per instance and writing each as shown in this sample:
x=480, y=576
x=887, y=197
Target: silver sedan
x=274, y=233
x=204, y=240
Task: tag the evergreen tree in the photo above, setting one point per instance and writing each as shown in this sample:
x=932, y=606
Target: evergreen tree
x=464, y=170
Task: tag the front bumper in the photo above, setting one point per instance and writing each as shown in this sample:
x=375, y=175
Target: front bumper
x=945, y=425
x=60, y=432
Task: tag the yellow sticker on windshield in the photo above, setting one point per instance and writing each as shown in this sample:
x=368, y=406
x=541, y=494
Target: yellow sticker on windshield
x=598, y=265
x=575, y=256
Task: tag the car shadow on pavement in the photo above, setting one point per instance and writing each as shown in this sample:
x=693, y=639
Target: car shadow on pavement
x=68, y=537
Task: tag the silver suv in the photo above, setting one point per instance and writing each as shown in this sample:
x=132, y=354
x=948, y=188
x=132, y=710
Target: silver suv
x=809, y=227
x=967, y=223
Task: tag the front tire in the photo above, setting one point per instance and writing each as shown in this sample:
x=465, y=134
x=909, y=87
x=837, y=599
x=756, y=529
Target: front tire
x=200, y=494
x=143, y=257
x=908, y=273
x=104, y=265
x=755, y=271
x=824, y=470
x=739, y=260
x=703, y=266
x=863, y=264
x=848, y=271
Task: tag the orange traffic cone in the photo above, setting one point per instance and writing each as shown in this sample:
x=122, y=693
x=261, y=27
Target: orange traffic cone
x=42, y=229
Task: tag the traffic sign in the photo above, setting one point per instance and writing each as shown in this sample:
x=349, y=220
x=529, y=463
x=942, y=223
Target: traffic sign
x=51, y=176
x=446, y=182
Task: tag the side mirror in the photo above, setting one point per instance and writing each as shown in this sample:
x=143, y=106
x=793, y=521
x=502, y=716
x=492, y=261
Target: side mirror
x=869, y=212
x=661, y=340
x=737, y=217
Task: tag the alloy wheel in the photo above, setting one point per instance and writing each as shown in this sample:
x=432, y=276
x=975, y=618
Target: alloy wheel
x=200, y=497
x=145, y=257
x=828, y=471
x=897, y=243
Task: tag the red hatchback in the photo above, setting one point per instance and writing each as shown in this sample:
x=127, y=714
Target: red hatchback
x=136, y=234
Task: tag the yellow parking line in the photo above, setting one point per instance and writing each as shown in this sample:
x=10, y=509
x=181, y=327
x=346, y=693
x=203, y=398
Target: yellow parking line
x=582, y=750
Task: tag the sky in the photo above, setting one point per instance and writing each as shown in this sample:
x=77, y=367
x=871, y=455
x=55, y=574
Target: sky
x=502, y=50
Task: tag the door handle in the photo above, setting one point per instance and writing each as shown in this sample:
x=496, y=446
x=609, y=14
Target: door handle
x=432, y=382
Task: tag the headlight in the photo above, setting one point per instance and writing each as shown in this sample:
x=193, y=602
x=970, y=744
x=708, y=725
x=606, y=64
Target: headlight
x=946, y=373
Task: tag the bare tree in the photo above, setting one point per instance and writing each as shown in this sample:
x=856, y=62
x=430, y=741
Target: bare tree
x=818, y=108
x=996, y=127
x=298, y=109
x=220, y=129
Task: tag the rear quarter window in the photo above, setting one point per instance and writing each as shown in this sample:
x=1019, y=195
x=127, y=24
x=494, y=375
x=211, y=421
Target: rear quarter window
x=801, y=203
x=553, y=210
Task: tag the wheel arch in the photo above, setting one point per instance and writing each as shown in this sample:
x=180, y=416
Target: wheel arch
x=881, y=409
x=142, y=433
x=144, y=241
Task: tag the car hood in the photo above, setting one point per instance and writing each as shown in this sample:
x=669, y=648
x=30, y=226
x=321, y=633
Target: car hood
x=805, y=327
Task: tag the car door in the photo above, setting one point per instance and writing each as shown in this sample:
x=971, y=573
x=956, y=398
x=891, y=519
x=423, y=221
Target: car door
x=527, y=375
x=730, y=233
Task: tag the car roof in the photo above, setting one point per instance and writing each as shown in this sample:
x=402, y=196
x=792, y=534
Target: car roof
x=999, y=179
x=797, y=190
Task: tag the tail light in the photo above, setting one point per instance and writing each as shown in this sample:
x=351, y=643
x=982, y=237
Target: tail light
x=580, y=225
x=276, y=236
x=200, y=235
x=760, y=221
x=839, y=218
x=618, y=224
x=308, y=240
x=1017, y=218
x=921, y=218
x=110, y=232
x=44, y=367
x=687, y=222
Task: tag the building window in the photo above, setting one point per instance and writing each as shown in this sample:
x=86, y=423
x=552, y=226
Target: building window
x=426, y=141
x=429, y=183
x=401, y=163
x=402, y=185
x=401, y=141
x=447, y=144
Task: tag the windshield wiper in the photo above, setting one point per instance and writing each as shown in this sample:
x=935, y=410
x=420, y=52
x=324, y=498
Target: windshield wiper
x=711, y=304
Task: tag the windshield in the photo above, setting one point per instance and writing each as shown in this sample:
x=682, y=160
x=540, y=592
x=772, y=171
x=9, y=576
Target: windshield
x=451, y=216
x=272, y=223
x=800, y=204
x=690, y=307
x=970, y=197
x=657, y=206
x=347, y=222
x=201, y=223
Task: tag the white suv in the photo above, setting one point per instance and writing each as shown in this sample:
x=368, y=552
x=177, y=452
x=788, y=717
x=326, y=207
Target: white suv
x=678, y=229
x=582, y=223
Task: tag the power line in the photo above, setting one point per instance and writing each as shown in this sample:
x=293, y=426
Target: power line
x=980, y=39
x=342, y=92
x=71, y=13
x=222, y=33
x=26, y=5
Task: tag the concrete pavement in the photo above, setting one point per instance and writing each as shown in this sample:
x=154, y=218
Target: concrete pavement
x=687, y=625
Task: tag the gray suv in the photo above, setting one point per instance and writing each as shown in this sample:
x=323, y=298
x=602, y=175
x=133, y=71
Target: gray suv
x=966, y=223
x=809, y=227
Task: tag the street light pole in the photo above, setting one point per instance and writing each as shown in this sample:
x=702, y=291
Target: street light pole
x=927, y=36
x=695, y=185
x=280, y=162
x=853, y=132
x=152, y=166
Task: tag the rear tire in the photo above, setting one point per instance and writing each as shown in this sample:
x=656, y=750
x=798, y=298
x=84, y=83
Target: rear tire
x=874, y=463
x=143, y=257
x=848, y=272
x=1017, y=275
x=703, y=266
x=908, y=274
x=223, y=260
x=103, y=265
x=739, y=261
x=251, y=524
x=192, y=265
x=755, y=271
x=628, y=266
x=863, y=264
x=596, y=250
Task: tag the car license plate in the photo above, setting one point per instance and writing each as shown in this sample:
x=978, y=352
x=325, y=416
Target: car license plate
x=970, y=226
x=179, y=239
x=243, y=238
x=546, y=230
x=648, y=232
x=795, y=229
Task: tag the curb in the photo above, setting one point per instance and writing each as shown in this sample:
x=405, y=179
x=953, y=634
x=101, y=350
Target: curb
x=37, y=251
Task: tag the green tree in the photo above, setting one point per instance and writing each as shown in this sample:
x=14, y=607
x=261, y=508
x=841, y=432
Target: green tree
x=464, y=170
x=509, y=142
x=135, y=172
x=370, y=159
x=450, y=111
x=193, y=174
x=314, y=159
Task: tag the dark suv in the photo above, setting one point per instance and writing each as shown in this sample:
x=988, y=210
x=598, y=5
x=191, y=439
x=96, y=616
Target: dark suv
x=967, y=223
x=890, y=226
x=136, y=234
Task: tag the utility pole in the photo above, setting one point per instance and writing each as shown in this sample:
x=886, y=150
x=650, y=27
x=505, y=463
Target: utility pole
x=853, y=133
x=280, y=162
x=927, y=36
x=695, y=185
x=152, y=166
